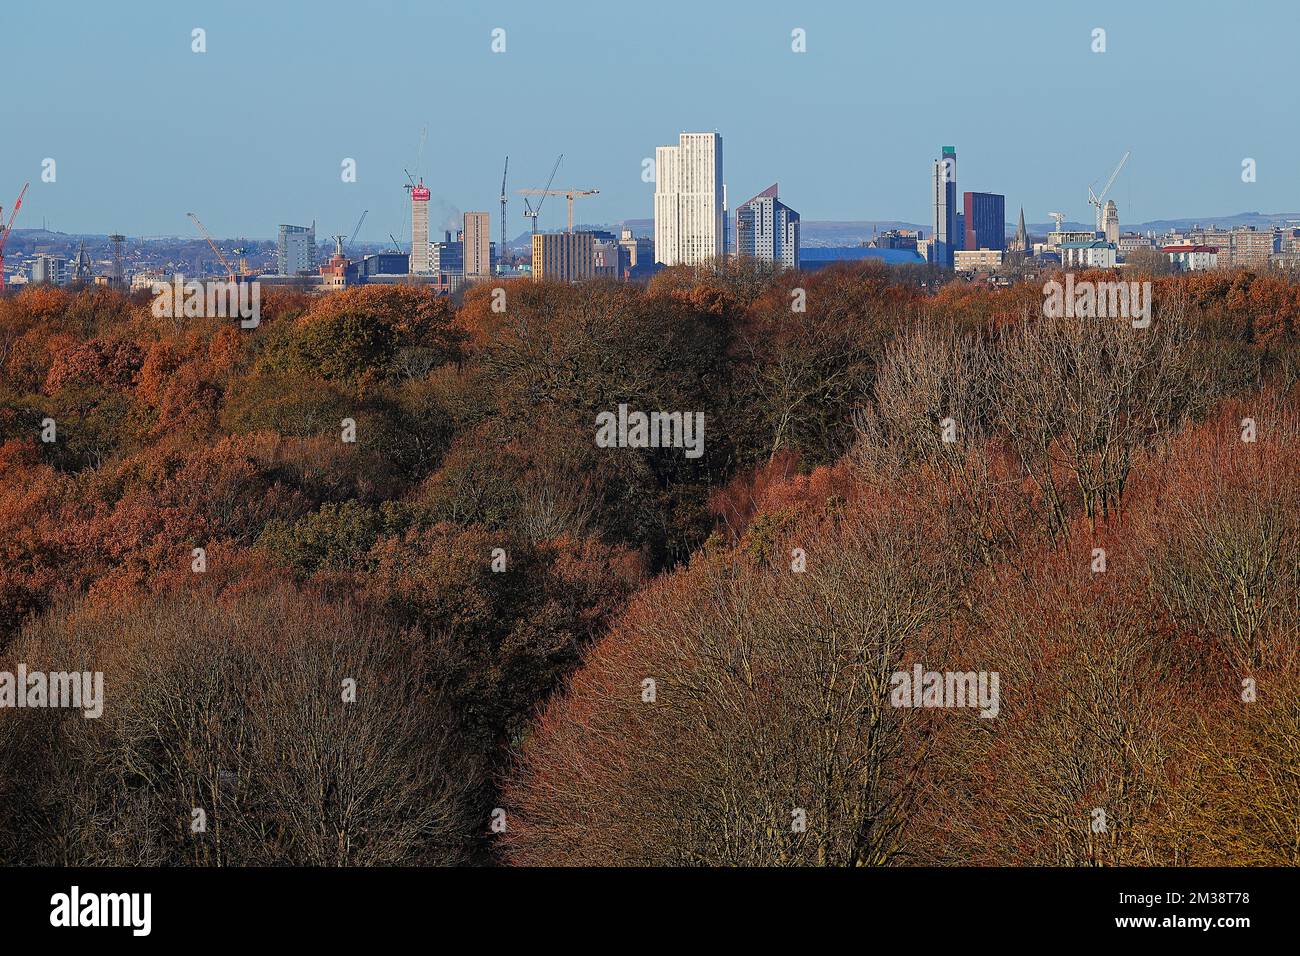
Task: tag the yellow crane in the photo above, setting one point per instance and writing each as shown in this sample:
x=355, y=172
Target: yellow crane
x=569, y=194
x=230, y=272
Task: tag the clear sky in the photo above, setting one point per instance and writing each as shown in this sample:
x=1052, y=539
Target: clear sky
x=252, y=133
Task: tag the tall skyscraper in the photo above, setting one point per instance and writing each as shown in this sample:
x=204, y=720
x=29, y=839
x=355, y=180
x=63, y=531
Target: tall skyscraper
x=419, y=229
x=478, y=245
x=945, y=208
x=690, y=224
x=985, y=221
x=768, y=230
x=296, y=251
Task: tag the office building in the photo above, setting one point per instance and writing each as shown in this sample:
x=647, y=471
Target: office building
x=690, y=221
x=767, y=231
x=447, y=257
x=381, y=264
x=296, y=251
x=985, y=221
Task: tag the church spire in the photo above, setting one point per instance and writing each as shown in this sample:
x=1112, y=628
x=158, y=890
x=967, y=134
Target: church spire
x=1021, y=242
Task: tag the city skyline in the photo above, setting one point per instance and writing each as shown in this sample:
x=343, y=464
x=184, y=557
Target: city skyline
x=219, y=137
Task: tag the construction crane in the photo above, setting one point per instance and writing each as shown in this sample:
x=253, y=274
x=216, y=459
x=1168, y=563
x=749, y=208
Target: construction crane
x=397, y=246
x=1060, y=219
x=501, y=253
x=529, y=211
x=357, y=229
x=419, y=163
x=230, y=272
x=570, y=194
x=1096, y=200
x=6, y=229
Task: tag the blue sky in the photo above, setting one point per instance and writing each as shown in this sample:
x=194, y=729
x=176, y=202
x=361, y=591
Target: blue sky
x=252, y=133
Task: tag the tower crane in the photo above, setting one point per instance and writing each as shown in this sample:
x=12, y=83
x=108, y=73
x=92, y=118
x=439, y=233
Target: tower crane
x=1059, y=217
x=529, y=211
x=1096, y=200
x=6, y=229
x=230, y=272
x=357, y=228
x=501, y=252
x=570, y=194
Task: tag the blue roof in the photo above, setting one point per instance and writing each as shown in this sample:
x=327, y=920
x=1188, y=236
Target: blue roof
x=824, y=254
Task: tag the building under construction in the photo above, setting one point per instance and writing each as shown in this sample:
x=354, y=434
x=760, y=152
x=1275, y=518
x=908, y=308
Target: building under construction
x=419, y=229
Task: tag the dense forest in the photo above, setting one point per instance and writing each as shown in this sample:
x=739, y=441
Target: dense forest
x=366, y=591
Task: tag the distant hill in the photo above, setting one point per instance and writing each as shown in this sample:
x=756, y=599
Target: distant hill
x=815, y=233
x=1160, y=226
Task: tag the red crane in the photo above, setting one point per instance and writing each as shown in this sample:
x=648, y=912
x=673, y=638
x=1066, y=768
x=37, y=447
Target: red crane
x=8, y=228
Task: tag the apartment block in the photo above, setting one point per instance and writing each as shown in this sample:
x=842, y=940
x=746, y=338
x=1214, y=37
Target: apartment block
x=564, y=256
x=690, y=219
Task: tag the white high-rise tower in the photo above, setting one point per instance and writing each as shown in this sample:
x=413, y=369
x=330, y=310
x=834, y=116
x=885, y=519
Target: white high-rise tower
x=690, y=222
